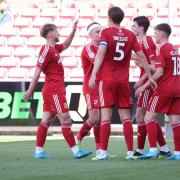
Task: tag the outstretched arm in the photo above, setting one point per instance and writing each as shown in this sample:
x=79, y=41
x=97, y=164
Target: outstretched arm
x=69, y=39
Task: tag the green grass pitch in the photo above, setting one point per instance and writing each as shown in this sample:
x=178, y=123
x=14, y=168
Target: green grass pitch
x=16, y=163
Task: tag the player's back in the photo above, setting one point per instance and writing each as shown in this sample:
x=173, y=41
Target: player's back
x=169, y=58
x=120, y=42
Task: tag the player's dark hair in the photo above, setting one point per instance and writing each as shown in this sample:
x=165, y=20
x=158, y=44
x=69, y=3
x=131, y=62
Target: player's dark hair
x=142, y=21
x=165, y=28
x=116, y=14
x=92, y=24
x=46, y=28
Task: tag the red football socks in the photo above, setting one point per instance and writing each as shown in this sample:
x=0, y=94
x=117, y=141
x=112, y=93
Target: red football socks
x=68, y=134
x=151, y=129
x=128, y=133
x=96, y=130
x=41, y=134
x=141, y=136
x=176, y=131
x=84, y=130
x=160, y=137
x=105, y=133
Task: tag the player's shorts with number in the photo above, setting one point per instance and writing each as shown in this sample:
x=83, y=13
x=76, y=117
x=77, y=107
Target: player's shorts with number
x=115, y=94
x=92, y=100
x=55, y=101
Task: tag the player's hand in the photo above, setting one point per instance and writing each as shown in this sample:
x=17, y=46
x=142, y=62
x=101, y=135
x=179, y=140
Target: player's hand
x=92, y=82
x=27, y=95
x=139, y=90
x=138, y=84
x=75, y=25
x=153, y=83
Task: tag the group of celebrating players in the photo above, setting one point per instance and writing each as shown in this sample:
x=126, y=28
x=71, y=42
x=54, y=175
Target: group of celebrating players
x=106, y=62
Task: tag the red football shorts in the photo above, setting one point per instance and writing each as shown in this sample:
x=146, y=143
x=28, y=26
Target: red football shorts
x=144, y=98
x=92, y=100
x=115, y=94
x=55, y=102
x=165, y=105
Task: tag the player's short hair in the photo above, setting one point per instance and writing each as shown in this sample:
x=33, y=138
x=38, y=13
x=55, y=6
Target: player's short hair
x=116, y=14
x=165, y=28
x=91, y=24
x=46, y=28
x=142, y=21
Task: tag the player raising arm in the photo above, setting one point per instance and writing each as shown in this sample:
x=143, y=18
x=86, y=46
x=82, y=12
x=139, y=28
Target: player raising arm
x=53, y=90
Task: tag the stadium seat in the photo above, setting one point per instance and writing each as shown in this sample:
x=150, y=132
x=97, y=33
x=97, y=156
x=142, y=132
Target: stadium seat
x=77, y=73
x=50, y=12
x=28, y=62
x=61, y=23
x=162, y=12
x=3, y=72
x=130, y=12
x=6, y=51
x=17, y=73
x=83, y=32
x=78, y=51
x=87, y=13
x=35, y=42
x=84, y=22
x=29, y=31
x=103, y=21
x=31, y=74
x=65, y=31
x=70, y=62
x=9, y=62
x=24, y=52
x=40, y=21
x=67, y=52
x=3, y=41
x=21, y=22
x=16, y=41
x=78, y=41
x=176, y=22
x=30, y=12
x=103, y=13
x=11, y=32
x=149, y=12
x=68, y=13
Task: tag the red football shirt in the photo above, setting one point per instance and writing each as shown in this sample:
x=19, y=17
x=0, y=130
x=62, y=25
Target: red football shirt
x=169, y=58
x=50, y=63
x=120, y=42
x=87, y=57
x=148, y=47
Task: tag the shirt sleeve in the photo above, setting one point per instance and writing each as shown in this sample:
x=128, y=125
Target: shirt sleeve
x=136, y=46
x=59, y=47
x=151, y=50
x=43, y=58
x=103, y=38
x=160, y=59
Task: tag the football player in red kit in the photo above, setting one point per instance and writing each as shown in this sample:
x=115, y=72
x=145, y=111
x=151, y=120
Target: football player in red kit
x=140, y=27
x=166, y=97
x=54, y=94
x=112, y=69
x=91, y=95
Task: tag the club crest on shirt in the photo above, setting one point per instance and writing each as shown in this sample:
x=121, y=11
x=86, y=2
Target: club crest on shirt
x=95, y=101
x=65, y=106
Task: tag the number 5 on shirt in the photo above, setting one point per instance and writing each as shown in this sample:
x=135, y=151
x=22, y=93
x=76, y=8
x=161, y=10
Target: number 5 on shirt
x=120, y=51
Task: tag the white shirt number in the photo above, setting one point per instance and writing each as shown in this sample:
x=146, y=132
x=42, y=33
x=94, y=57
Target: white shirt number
x=176, y=70
x=118, y=50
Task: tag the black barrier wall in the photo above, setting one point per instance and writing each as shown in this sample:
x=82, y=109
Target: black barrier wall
x=14, y=111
